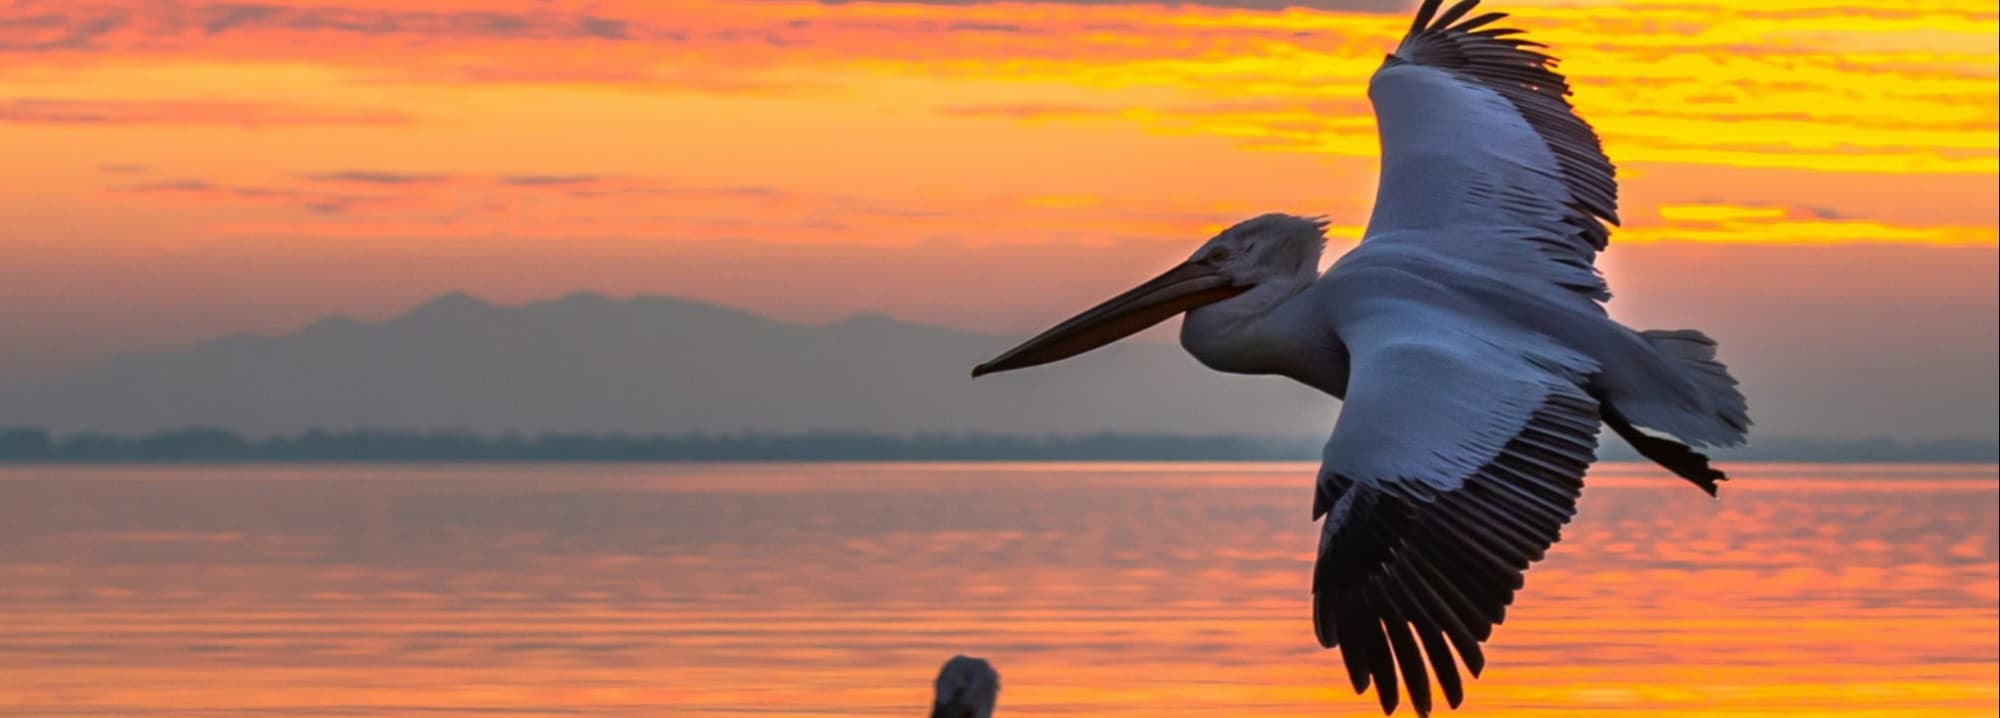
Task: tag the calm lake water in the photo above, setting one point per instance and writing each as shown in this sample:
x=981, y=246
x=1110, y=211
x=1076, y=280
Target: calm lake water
x=815, y=590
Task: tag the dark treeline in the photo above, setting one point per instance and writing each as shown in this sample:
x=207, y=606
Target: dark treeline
x=216, y=445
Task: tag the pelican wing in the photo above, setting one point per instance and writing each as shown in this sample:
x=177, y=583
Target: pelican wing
x=1457, y=459
x=1478, y=136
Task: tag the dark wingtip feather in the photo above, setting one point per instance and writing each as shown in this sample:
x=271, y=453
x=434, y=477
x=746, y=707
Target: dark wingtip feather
x=1456, y=12
x=1443, y=667
x=1354, y=652
x=1381, y=663
x=1481, y=21
x=1424, y=14
x=1323, y=625
x=1411, y=663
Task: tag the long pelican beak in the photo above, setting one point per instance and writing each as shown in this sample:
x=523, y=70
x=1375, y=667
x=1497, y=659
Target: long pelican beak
x=1180, y=289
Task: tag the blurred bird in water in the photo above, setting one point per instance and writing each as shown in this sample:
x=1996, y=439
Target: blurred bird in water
x=1467, y=339
x=967, y=687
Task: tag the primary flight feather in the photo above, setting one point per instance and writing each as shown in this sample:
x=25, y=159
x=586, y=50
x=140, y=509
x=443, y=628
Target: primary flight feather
x=1467, y=339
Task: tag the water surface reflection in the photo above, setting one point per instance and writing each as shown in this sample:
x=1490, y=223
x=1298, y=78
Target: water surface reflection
x=792, y=590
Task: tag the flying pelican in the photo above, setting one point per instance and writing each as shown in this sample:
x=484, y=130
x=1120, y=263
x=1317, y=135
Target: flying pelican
x=1467, y=340
x=967, y=687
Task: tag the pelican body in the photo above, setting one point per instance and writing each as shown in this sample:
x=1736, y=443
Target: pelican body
x=1467, y=339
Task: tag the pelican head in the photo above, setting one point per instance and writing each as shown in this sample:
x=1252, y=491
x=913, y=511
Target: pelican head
x=1255, y=263
x=967, y=687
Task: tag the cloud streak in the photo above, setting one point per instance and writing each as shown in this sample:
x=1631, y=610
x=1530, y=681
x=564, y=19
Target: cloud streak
x=378, y=177
x=220, y=18
x=34, y=26
x=112, y=112
x=550, y=180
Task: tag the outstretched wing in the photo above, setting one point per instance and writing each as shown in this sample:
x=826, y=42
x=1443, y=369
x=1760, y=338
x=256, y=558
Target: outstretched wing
x=1477, y=133
x=1458, y=458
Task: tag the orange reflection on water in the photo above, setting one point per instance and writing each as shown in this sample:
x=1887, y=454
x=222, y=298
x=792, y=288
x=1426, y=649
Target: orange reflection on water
x=1102, y=590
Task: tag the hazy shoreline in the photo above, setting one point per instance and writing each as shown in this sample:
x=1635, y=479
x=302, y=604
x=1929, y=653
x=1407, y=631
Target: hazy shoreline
x=38, y=446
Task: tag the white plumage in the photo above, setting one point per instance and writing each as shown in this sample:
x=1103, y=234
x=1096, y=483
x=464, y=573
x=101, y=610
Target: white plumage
x=1467, y=339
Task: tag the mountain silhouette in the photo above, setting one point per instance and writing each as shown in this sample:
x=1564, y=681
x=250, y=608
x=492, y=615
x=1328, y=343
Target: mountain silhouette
x=587, y=362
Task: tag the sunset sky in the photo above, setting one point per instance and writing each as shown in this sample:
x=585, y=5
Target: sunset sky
x=179, y=170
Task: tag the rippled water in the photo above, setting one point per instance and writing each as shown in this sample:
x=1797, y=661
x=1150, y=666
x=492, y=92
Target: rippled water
x=1099, y=590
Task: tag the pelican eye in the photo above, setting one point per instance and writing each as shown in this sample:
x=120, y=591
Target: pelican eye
x=1216, y=254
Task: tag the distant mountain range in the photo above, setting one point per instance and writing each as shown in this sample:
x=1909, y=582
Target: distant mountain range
x=589, y=363
x=620, y=369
